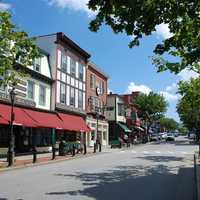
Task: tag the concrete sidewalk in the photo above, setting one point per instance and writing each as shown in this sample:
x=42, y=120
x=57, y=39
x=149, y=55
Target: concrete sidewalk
x=42, y=158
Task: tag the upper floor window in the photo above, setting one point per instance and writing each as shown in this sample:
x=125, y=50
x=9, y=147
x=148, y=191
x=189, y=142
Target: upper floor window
x=102, y=87
x=62, y=93
x=80, y=99
x=64, y=62
x=92, y=81
x=42, y=95
x=72, y=96
x=37, y=64
x=120, y=109
x=72, y=67
x=80, y=66
x=30, y=89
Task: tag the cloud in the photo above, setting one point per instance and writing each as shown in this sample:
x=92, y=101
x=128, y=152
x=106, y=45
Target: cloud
x=76, y=5
x=187, y=74
x=132, y=87
x=162, y=31
x=4, y=6
x=170, y=96
x=172, y=88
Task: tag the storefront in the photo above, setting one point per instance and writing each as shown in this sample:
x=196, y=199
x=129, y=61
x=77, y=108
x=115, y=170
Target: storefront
x=36, y=127
x=102, y=133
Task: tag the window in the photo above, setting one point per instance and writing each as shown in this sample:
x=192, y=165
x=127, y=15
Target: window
x=62, y=93
x=30, y=90
x=120, y=109
x=64, y=63
x=72, y=96
x=42, y=97
x=81, y=71
x=102, y=87
x=92, y=81
x=37, y=64
x=4, y=136
x=72, y=67
x=80, y=99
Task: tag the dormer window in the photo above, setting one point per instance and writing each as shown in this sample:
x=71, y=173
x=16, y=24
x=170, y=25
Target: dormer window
x=37, y=64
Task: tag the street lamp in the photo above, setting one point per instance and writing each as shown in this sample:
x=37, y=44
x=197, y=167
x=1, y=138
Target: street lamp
x=11, y=135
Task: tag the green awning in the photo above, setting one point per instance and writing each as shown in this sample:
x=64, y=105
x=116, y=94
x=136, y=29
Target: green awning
x=124, y=127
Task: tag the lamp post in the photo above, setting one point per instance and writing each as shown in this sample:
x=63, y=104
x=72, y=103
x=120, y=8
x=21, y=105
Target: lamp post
x=11, y=135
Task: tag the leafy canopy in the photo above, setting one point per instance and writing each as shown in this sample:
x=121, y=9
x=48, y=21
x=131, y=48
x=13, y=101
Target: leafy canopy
x=15, y=46
x=169, y=124
x=151, y=107
x=188, y=106
x=139, y=18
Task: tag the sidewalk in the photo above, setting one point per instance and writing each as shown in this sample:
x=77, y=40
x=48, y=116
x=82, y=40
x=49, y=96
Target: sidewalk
x=44, y=158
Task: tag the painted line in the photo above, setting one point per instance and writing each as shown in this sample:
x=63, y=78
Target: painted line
x=134, y=151
x=122, y=152
x=158, y=152
x=145, y=152
x=170, y=152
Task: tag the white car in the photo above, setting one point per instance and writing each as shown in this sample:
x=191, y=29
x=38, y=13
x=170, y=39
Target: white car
x=170, y=137
x=192, y=136
x=163, y=135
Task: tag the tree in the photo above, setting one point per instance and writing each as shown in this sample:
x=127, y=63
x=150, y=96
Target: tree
x=140, y=18
x=188, y=106
x=151, y=107
x=15, y=47
x=169, y=124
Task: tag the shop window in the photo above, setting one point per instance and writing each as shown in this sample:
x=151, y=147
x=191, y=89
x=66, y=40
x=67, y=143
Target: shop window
x=104, y=135
x=30, y=89
x=4, y=136
x=42, y=96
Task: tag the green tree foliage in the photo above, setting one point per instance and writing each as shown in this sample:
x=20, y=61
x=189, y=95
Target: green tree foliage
x=151, y=107
x=15, y=46
x=140, y=18
x=169, y=124
x=188, y=106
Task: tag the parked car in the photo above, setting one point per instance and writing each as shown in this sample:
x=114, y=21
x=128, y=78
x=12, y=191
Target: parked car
x=163, y=135
x=170, y=137
x=192, y=136
x=154, y=137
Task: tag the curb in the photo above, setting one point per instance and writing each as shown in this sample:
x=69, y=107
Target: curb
x=49, y=162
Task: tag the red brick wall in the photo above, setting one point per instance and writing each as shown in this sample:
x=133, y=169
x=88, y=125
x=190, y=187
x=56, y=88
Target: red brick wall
x=92, y=92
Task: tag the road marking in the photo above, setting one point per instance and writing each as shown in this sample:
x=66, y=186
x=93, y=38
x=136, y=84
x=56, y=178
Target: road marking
x=122, y=152
x=133, y=151
x=170, y=152
x=145, y=152
x=158, y=152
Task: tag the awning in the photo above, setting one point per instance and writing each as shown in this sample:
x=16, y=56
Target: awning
x=45, y=119
x=124, y=127
x=74, y=123
x=138, y=128
x=21, y=119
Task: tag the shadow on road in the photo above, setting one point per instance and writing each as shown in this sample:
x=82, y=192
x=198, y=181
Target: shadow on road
x=138, y=182
x=162, y=158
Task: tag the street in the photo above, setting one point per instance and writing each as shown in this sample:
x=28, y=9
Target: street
x=154, y=171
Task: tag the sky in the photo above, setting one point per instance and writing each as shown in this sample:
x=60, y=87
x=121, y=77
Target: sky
x=129, y=69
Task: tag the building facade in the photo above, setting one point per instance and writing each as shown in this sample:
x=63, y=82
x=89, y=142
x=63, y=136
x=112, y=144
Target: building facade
x=115, y=114
x=68, y=63
x=96, y=99
x=33, y=92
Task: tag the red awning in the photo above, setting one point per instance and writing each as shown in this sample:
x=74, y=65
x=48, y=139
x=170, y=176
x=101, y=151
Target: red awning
x=21, y=118
x=44, y=119
x=74, y=123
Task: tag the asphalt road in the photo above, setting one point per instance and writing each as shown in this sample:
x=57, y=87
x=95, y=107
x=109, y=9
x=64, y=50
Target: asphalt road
x=156, y=171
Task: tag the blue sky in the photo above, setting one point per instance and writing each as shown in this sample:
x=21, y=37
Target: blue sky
x=129, y=69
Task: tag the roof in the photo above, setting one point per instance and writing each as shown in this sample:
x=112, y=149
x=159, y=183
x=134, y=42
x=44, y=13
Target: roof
x=98, y=69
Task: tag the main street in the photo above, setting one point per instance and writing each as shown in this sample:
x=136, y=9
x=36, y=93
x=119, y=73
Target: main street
x=145, y=172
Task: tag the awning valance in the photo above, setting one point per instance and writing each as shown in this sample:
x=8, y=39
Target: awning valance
x=124, y=127
x=73, y=123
